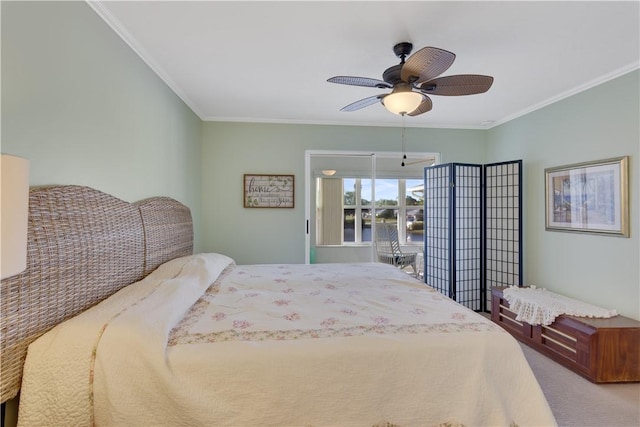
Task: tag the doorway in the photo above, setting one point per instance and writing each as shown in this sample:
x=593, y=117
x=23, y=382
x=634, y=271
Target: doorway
x=348, y=192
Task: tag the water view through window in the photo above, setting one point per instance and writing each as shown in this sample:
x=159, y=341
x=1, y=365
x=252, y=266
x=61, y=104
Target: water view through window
x=407, y=212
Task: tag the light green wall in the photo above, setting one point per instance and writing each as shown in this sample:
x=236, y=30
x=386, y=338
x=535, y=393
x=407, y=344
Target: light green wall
x=86, y=110
x=277, y=235
x=600, y=123
x=83, y=107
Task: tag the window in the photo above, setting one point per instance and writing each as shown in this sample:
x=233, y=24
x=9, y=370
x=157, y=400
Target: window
x=346, y=218
x=414, y=205
x=356, y=210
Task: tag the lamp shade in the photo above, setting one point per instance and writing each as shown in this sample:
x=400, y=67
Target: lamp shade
x=402, y=102
x=14, y=212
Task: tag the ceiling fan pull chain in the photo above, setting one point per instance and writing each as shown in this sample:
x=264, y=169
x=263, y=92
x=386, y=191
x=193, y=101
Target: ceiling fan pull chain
x=404, y=156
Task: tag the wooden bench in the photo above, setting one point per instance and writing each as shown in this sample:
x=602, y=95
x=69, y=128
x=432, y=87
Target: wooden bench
x=601, y=350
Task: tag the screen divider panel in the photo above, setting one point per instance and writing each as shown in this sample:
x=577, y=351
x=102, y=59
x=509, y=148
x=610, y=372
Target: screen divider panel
x=467, y=241
x=437, y=240
x=503, y=213
x=473, y=229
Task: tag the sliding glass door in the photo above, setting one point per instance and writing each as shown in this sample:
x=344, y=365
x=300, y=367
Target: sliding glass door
x=348, y=193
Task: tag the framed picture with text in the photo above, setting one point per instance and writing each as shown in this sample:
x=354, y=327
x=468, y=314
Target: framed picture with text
x=590, y=197
x=268, y=191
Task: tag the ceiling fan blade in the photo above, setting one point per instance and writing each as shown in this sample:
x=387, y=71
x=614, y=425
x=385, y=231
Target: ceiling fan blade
x=461, y=84
x=426, y=64
x=362, y=103
x=431, y=161
x=359, y=81
x=425, y=106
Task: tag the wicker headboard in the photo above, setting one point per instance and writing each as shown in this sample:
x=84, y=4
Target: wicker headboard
x=83, y=246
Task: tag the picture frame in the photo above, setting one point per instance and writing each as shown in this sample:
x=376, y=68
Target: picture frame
x=269, y=191
x=589, y=197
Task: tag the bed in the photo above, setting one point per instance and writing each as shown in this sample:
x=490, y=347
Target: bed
x=195, y=339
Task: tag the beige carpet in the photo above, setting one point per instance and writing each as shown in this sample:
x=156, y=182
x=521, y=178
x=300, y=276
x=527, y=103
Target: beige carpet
x=577, y=402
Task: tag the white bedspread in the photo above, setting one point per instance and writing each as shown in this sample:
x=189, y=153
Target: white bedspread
x=279, y=345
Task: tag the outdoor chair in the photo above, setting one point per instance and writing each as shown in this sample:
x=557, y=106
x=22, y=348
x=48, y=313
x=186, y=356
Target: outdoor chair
x=388, y=248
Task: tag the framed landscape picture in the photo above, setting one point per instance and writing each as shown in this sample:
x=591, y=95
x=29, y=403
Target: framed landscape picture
x=589, y=197
x=268, y=191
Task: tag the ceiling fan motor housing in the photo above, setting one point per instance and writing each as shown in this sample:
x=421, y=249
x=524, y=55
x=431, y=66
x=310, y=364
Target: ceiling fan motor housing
x=392, y=74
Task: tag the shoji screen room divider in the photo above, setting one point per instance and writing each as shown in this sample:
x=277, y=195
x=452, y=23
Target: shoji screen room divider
x=473, y=229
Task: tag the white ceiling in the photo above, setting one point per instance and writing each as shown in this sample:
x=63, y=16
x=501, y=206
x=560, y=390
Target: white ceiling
x=269, y=61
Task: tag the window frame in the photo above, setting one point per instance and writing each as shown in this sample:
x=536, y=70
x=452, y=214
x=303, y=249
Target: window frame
x=373, y=207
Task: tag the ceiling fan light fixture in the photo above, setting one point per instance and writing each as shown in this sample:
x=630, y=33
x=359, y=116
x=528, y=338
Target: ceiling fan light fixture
x=402, y=101
x=414, y=80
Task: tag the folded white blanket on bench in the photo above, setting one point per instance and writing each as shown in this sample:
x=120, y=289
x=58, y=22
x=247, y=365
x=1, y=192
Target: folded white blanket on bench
x=538, y=306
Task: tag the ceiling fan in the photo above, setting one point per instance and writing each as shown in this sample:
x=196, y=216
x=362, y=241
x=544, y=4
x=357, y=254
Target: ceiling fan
x=413, y=80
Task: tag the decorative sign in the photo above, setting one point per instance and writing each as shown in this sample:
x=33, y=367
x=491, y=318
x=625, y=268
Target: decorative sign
x=268, y=191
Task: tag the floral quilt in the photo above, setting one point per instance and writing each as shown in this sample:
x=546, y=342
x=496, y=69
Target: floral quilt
x=204, y=342
x=287, y=302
